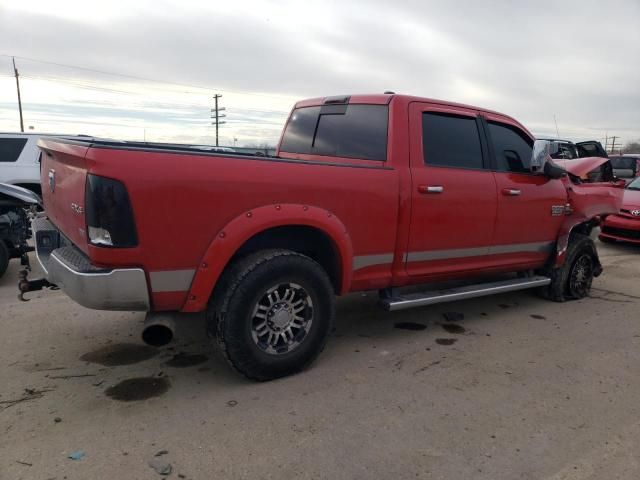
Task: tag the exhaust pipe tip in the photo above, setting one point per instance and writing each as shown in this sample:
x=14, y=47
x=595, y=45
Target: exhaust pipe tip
x=158, y=330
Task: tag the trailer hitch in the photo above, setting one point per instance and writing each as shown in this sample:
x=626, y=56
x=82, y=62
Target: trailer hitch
x=25, y=285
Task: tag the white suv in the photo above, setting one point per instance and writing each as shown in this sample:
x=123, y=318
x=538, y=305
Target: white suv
x=20, y=160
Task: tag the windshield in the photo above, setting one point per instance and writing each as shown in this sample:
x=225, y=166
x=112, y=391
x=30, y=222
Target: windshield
x=566, y=151
x=635, y=185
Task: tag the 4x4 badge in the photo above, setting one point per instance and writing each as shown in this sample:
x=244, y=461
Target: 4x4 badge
x=52, y=180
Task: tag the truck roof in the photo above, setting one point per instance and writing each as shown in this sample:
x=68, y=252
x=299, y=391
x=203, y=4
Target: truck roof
x=386, y=98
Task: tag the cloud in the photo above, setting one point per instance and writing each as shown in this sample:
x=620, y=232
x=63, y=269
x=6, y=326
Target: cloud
x=529, y=60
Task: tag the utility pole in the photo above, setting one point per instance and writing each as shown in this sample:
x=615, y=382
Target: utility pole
x=15, y=71
x=613, y=144
x=217, y=115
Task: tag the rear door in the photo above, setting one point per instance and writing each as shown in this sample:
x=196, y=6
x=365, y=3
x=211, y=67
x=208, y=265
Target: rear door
x=530, y=207
x=453, y=197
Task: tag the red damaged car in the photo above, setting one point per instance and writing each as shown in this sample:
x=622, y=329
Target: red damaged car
x=365, y=192
x=625, y=225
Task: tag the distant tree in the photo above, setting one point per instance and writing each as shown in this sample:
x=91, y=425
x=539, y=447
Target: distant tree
x=631, y=147
x=263, y=145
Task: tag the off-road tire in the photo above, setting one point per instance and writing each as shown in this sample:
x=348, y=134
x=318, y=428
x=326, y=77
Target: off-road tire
x=229, y=314
x=4, y=258
x=560, y=288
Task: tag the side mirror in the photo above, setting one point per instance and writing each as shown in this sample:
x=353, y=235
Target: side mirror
x=541, y=161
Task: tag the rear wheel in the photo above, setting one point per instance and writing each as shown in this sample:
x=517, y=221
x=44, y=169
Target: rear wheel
x=272, y=313
x=573, y=279
x=4, y=258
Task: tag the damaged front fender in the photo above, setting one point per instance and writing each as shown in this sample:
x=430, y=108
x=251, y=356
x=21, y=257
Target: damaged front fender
x=588, y=202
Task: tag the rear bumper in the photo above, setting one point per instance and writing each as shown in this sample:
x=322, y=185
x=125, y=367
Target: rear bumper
x=90, y=286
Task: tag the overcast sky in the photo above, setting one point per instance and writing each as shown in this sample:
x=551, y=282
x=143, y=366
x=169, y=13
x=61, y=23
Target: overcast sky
x=577, y=60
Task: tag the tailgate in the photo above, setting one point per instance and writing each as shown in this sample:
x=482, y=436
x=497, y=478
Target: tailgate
x=63, y=175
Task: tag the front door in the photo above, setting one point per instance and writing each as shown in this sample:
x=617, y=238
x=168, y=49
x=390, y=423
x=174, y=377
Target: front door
x=531, y=208
x=453, y=197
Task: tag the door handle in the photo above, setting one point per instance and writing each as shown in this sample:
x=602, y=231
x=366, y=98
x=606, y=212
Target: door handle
x=430, y=188
x=512, y=192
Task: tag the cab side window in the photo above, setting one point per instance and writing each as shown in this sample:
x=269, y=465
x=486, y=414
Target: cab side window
x=451, y=141
x=350, y=131
x=512, y=148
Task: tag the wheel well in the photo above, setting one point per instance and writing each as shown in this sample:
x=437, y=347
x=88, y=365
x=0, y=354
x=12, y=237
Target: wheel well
x=308, y=241
x=584, y=228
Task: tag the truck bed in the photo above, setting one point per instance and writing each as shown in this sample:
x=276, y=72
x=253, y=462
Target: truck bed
x=183, y=199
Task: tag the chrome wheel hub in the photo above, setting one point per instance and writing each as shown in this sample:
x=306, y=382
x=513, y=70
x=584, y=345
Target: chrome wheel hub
x=281, y=319
x=581, y=276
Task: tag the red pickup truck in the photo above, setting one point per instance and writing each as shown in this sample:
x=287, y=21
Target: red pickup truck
x=365, y=192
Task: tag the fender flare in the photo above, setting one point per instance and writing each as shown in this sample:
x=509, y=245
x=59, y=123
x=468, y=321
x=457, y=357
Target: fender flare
x=243, y=227
x=565, y=233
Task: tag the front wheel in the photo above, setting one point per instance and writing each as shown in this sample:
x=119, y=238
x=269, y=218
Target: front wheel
x=272, y=313
x=573, y=279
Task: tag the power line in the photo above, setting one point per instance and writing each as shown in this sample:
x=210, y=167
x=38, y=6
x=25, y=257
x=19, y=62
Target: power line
x=90, y=86
x=86, y=82
x=136, y=77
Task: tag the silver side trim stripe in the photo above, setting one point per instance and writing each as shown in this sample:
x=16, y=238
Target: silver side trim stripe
x=536, y=247
x=171, y=280
x=362, y=261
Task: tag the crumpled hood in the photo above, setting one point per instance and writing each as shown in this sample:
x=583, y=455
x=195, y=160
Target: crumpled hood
x=580, y=167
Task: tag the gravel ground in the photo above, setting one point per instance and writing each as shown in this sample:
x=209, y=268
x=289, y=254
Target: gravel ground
x=516, y=388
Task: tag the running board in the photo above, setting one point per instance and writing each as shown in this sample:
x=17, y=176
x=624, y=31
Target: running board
x=421, y=299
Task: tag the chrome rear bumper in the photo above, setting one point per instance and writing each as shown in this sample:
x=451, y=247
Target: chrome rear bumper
x=93, y=287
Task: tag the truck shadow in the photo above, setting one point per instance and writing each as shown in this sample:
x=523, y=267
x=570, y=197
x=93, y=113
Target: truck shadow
x=360, y=325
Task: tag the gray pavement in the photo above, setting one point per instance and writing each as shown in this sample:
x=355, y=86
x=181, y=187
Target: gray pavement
x=526, y=389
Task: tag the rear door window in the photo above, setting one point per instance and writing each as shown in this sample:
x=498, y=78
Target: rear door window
x=451, y=141
x=300, y=130
x=591, y=149
x=511, y=146
x=11, y=148
x=351, y=131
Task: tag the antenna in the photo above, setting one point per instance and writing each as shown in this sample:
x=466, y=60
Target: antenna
x=556, y=122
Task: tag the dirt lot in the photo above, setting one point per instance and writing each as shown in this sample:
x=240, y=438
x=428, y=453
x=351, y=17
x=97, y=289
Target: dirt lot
x=518, y=388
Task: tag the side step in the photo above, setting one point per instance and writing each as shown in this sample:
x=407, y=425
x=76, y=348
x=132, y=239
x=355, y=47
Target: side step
x=421, y=299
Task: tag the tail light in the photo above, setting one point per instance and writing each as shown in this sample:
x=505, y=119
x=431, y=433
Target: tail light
x=109, y=214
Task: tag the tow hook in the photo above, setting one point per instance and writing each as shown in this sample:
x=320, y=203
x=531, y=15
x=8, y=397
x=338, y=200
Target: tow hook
x=25, y=285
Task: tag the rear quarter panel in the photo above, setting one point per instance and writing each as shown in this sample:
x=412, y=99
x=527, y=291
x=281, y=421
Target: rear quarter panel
x=181, y=202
